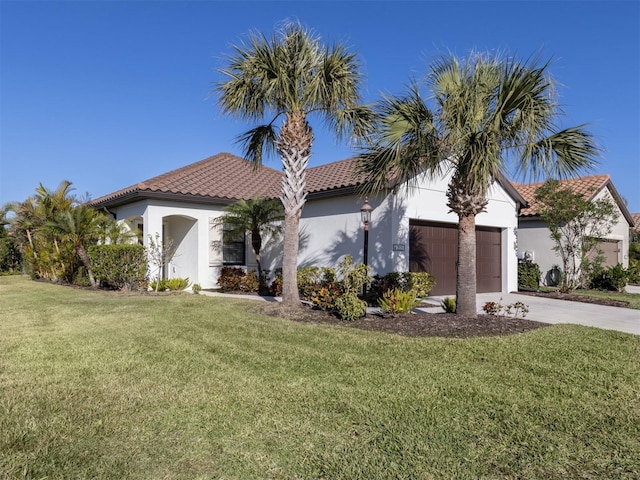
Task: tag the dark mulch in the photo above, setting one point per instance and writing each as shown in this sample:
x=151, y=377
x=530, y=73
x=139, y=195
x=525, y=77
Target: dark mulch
x=577, y=298
x=410, y=325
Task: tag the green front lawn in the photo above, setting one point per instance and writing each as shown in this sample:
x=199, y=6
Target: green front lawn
x=102, y=385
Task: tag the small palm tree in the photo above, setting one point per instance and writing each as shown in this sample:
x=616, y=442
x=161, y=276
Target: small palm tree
x=260, y=218
x=81, y=226
x=292, y=75
x=486, y=111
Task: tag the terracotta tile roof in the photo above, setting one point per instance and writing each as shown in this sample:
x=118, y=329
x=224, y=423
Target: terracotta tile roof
x=333, y=176
x=588, y=187
x=636, y=222
x=221, y=177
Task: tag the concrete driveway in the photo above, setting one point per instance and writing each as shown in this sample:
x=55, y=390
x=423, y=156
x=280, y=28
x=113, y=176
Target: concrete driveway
x=562, y=311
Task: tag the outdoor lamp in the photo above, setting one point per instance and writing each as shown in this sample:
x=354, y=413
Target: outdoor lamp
x=365, y=213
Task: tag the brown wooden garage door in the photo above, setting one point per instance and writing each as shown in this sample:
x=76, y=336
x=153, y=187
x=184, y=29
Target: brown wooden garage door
x=433, y=248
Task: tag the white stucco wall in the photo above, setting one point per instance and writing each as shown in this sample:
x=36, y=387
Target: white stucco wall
x=331, y=227
x=187, y=224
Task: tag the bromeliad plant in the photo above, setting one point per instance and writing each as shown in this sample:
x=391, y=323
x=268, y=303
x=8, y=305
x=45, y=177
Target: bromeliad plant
x=397, y=301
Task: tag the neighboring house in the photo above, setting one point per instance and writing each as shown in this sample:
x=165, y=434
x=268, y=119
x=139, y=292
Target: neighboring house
x=635, y=229
x=411, y=227
x=535, y=243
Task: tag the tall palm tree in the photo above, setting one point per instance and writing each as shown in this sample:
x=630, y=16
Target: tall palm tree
x=291, y=76
x=259, y=217
x=485, y=113
x=80, y=226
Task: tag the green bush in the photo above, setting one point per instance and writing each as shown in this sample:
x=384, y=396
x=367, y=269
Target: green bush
x=120, y=266
x=613, y=278
x=528, y=275
x=396, y=301
x=10, y=257
x=421, y=283
x=170, y=284
x=196, y=288
x=353, y=276
x=349, y=307
x=176, y=284
x=449, y=304
x=325, y=297
x=312, y=279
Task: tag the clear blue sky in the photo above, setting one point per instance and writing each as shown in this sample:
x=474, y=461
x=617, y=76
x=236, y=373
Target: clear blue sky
x=110, y=93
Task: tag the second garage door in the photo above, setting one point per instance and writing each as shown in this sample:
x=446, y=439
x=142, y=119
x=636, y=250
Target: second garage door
x=433, y=248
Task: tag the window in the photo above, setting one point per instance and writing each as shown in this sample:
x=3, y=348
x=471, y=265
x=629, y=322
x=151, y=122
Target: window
x=233, y=249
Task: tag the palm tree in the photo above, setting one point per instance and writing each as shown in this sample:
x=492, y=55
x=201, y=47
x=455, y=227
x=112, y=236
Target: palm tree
x=292, y=75
x=80, y=226
x=487, y=112
x=259, y=217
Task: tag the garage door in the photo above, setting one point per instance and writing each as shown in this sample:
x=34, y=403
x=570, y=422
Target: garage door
x=433, y=248
x=609, y=250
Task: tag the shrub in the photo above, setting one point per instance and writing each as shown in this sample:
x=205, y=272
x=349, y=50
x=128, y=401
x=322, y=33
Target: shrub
x=449, y=304
x=275, y=288
x=353, y=276
x=176, y=284
x=311, y=280
x=325, y=297
x=421, y=283
x=10, y=257
x=613, y=278
x=230, y=278
x=196, y=288
x=396, y=301
x=250, y=282
x=528, y=275
x=171, y=284
x=349, y=307
x=119, y=266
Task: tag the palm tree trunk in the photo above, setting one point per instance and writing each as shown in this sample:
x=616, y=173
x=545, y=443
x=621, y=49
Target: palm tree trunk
x=290, y=295
x=84, y=256
x=466, y=268
x=294, y=147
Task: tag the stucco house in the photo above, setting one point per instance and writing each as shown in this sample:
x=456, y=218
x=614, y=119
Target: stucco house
x=411, y=228
x=534, y=240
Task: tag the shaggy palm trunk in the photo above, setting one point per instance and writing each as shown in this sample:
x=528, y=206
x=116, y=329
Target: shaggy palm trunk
x=84, y=256
x=466, y=268
x=294, y=147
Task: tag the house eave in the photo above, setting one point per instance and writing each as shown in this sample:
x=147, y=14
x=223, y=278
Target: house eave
x=138, y=195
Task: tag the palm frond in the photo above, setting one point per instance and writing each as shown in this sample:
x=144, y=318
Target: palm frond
x=257, y=142
x=406, y=145
x=562, y=154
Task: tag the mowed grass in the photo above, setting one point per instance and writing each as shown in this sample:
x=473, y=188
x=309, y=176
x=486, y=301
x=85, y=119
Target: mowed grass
x=105, y=386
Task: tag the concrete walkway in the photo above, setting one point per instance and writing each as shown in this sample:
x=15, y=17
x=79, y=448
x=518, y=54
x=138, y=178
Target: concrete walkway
x=540, y=309
x=550, y=310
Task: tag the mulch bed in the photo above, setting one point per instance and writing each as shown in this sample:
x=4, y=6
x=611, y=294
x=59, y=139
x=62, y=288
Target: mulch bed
x=410, y=325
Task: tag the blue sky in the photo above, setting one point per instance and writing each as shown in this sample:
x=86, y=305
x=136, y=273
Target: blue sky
x=109, y=93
